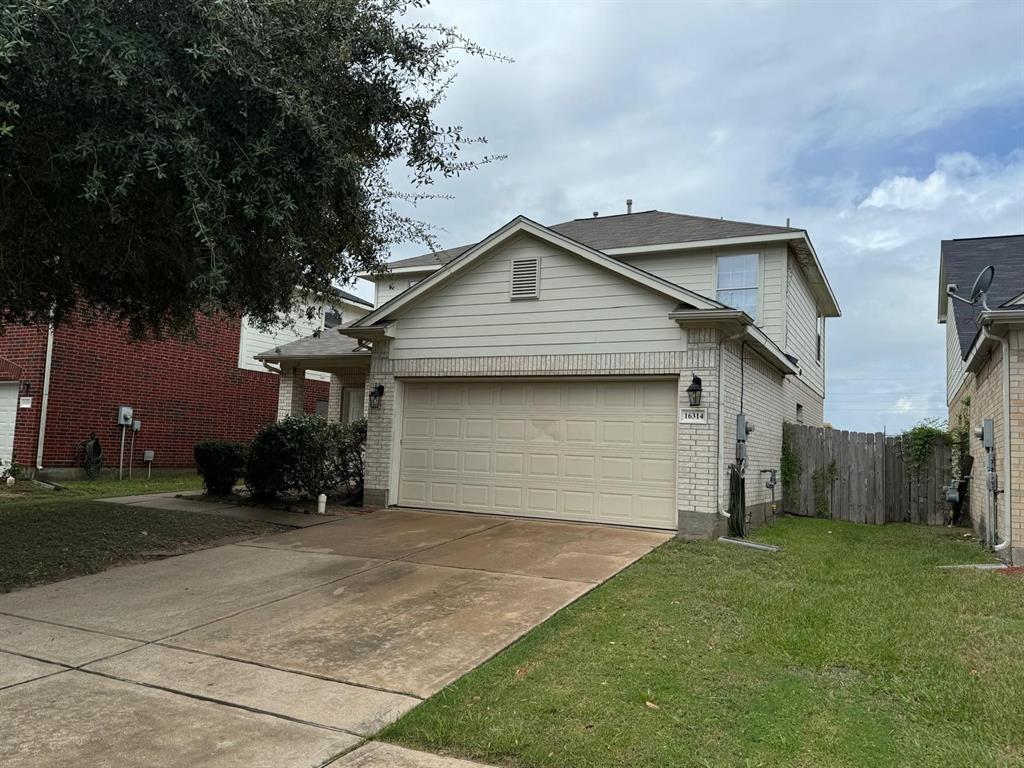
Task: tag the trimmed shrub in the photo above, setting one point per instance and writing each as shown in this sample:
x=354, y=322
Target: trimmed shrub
x=306, y=455
x=220, y=463
x=354, y=450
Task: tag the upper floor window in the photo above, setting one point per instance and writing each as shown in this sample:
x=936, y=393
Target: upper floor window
x=821, y=335
x=738, y=281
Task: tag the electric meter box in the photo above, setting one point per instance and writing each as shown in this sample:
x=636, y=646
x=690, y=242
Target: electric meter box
x=148, y=455
x=124, y=415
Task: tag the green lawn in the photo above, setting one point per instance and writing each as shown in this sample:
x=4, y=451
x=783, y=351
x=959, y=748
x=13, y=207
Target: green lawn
x=51, y=535
x=104, y=487
x=848, y=648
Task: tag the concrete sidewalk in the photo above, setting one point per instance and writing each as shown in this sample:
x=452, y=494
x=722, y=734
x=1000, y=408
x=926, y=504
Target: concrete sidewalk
x=193, y=501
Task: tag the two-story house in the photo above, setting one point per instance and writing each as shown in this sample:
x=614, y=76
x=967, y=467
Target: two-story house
x=592, y=370
x=985, y=379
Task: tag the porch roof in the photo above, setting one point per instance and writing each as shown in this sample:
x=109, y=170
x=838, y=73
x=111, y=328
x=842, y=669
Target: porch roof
x=326, y=351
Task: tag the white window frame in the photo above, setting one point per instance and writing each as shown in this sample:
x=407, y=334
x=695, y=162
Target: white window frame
x=758, y=310
x=819, y=328
x=353, y=404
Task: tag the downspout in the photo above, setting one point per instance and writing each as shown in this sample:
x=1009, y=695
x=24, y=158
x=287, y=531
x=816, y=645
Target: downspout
x=41, y=437
x=1004, y=344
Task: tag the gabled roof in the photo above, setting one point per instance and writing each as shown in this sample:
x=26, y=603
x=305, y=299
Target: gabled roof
x=627, y=230
x=960, y=263
x=634, y=233
x=522, y=225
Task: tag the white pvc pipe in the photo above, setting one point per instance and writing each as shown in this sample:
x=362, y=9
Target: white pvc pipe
x=41, y=436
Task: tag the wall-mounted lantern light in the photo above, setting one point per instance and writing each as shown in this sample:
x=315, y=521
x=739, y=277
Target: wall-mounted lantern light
x=376, y=395
x=693, y=392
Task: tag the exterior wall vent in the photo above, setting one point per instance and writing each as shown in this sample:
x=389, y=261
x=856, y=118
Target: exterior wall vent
x=525, y=279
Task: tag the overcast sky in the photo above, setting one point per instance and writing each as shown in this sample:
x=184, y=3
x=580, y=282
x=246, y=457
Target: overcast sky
x=880, y=128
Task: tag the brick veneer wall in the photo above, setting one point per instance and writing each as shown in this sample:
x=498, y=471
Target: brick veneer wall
x=182, y=391
x=763, y=400
x=985, y=389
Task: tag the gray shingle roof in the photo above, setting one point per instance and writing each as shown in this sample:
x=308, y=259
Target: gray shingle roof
x=343, y=294
x=628, y=230
x=330, y=343
x=964, y=259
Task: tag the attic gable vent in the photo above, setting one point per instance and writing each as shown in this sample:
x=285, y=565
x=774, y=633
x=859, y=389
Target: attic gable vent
x=525, y=279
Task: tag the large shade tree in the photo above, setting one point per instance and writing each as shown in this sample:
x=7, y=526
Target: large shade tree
x=163, y=157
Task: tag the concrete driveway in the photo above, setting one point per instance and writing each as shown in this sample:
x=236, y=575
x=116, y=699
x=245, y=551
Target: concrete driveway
x=283, y=651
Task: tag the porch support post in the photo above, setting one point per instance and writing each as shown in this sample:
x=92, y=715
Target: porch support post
x=334, y=398
x=291, y=392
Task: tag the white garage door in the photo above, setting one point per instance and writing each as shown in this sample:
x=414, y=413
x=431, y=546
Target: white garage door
x=592, y=450
x=8, y=413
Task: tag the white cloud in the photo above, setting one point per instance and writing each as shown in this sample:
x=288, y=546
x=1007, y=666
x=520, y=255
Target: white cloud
x=908, y=194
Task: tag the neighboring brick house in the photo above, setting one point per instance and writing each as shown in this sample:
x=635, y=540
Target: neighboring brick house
x=181, y=391
x=545, y=371
x=985, y=378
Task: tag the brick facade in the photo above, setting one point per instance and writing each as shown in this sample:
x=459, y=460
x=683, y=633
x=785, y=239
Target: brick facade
x=181, y=391
x=985, y=390
x=701, y=479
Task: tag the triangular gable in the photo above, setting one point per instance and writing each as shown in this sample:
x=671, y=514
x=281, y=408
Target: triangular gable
x=519, y=226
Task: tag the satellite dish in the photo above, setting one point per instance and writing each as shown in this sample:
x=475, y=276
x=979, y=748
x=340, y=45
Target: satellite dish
x=978, y=291
x=983, y=283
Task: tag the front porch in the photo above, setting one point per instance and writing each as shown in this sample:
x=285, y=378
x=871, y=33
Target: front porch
x=345, y=360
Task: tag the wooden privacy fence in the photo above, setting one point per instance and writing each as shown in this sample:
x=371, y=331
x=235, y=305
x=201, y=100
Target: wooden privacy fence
x=861, y=477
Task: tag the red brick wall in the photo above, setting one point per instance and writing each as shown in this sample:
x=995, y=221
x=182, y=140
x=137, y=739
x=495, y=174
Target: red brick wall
x=182, y=392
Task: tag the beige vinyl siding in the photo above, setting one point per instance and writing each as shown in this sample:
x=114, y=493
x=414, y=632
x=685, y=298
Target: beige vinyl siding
x=253, y=341
x=690, y=269
x=389, y=286
x=956, y=369
x=698, y=271
x=772, y=321
x=801, y=337
x=581, y=309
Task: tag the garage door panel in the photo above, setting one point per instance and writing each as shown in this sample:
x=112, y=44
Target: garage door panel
x=511, y=429
x=579, y=450
x=508, y=498
x=544, y=464
x=479, y=428
x=444, y=461
x=548, y=431
x=657, y=435
x=580, y=467
x=543, y=501
x=476, y=461
x=476, y=496
x=415, y=458
x=416, y=427
x=578, y=504
x=621, y=432
x=580, y=431
x=413, y=491
x=655, y=470
x=615, y=469
x=652, y=509
x=443, y=493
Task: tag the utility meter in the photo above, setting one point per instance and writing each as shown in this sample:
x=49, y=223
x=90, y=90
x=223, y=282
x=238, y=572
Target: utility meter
x=124, y=415
x=986, y=433
x=136, y=425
